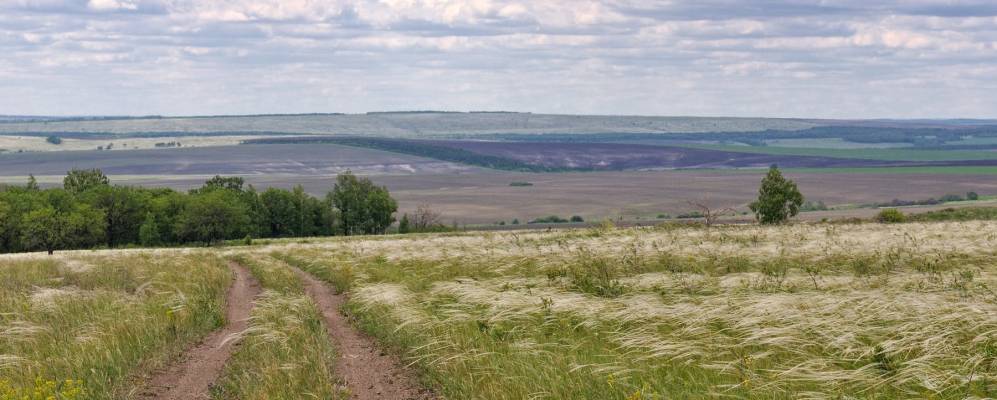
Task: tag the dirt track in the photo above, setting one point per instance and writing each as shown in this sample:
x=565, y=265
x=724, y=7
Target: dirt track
x=199, y=367
x=368, y=372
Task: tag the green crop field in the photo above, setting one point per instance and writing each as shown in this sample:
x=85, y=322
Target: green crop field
x=967, y=170
x=797, y=311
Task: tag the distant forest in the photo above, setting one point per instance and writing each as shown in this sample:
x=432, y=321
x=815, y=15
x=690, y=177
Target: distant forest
x=927, y=137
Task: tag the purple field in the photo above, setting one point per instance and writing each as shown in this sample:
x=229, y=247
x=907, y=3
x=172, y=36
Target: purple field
x=617, y=157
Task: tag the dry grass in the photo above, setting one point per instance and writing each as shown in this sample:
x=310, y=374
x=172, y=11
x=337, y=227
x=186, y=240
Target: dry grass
x=87, y=324
x=801, y=311
x=814, y=311
x=285, y=352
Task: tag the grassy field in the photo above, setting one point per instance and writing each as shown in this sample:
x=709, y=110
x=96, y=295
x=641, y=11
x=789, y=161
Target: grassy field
x=83, y=327
x=800, y=311
x=285, y=353
x=807, y=311
x=887, y=154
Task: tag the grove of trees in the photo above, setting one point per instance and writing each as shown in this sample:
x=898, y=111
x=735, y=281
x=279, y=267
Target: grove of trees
x=89, y=212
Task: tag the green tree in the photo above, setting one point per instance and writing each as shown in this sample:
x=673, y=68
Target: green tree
x=32, y=183
x=213, y=216
x=50, y=229
x=363, y=207
x=972, y=196
x=124, y=210
x=80, y=180
x=148, y=233
x=778, y=199
x=403, y=225
x=224, y=182
x=380, y=211
x=281, y=212
x=8, y=225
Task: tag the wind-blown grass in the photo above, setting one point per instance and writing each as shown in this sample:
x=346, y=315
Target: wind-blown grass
x=285, y=352
x=802, y=311
x=82, y=326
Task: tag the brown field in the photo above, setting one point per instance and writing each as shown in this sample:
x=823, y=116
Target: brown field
x=481, y=197
x=472, y=195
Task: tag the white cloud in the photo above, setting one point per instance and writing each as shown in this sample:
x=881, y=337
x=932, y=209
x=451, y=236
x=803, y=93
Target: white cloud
x=715, y=57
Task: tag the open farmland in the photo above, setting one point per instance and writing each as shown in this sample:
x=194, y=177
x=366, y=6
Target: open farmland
x=314, y=159
x=797, y=311
x=479, y=196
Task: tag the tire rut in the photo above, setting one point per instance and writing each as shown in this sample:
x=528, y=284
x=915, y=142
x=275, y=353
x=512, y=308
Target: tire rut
x=200, y=366
x=368, y=372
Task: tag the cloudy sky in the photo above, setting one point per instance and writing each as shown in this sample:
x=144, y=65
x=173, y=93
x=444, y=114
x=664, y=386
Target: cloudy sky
x=788, y=58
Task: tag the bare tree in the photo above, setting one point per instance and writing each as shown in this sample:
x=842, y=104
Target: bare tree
x=425, y=218
x=710, y=215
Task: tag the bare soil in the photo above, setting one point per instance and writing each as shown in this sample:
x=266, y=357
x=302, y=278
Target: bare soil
x=368, y=372
x=200, y=366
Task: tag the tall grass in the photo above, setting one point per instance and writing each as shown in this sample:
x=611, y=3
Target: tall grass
x=85, y=325
x=285, y=353
x=806, y=311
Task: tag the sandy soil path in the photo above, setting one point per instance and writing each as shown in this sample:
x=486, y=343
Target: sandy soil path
x=200, y=366
x=368, y=372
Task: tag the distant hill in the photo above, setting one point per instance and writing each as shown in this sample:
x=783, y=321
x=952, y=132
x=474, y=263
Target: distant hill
x=411, y=124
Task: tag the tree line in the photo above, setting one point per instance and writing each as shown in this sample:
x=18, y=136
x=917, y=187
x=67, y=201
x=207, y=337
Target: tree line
x=89, y=212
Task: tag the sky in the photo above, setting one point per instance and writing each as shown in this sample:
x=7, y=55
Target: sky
x=754, y=58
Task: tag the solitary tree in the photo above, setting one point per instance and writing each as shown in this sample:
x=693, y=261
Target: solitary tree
x=80, y=180
x=778, y=199
x=32, y=183
x=403, y=225
x=424, y=218
x=710, y=214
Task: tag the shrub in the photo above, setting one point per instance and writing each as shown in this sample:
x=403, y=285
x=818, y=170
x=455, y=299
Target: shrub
x=54, y=139
x=577, y=218
x=972, y=196
x=950, y=197
x=550, y=219
x=958, y=214
x=520, y=184
x=688, y=215
x=891, y=216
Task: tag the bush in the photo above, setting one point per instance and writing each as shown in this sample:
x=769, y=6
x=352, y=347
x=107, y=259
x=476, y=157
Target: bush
x=577, y=218
x=891, y=216
x=54, y=139
x=520, y=184
x=958, y=214
x=688, y=215
x=550, y=219
x=950, y=197
x=972, y=196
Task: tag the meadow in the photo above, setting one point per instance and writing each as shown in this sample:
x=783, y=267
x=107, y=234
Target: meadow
x=809, y=310
x=805, y=311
